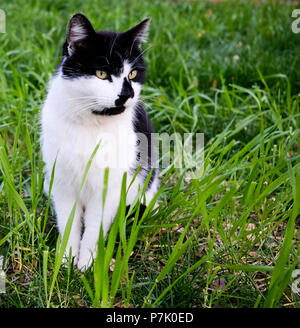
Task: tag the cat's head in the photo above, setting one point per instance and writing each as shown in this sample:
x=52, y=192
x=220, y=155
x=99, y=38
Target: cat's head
x=105, y=70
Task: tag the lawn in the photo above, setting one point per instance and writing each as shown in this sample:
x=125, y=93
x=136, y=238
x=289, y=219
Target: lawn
x=229, y=238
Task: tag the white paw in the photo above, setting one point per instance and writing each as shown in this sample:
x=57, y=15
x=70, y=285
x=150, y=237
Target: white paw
x=85, y=260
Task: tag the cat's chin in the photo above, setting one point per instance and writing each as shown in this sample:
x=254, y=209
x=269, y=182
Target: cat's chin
x=110, y=111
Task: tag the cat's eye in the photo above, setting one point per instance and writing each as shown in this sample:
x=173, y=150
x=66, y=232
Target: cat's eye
x=101, y=75
x=132, y=74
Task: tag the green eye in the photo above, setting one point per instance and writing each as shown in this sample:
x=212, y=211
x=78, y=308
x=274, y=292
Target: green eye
x=132, y=74
x=101, y=75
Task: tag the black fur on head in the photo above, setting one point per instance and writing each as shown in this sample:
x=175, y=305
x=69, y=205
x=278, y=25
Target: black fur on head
x=86, y=50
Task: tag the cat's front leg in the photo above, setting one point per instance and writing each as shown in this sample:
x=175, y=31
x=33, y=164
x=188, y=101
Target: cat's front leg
x=64, y=202
x=93, y=217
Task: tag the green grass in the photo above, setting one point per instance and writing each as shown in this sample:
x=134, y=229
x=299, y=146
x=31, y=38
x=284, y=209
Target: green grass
x=227, y=239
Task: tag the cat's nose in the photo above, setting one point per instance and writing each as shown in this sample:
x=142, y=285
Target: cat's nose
x=126, y=93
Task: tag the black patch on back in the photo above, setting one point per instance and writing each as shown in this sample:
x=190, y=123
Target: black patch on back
x=142, y=124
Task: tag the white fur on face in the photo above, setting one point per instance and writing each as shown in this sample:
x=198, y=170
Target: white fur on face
x=93, y=93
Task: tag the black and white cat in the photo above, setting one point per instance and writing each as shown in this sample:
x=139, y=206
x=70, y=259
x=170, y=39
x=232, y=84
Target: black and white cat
x=94, y=97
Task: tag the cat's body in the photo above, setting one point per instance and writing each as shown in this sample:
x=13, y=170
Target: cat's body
x=94, y=97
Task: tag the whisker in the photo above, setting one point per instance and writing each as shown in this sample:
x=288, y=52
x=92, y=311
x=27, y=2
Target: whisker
x=141, y=54
x=113, y=44
x=90, y=98
x=132, y=46
x=105, y=59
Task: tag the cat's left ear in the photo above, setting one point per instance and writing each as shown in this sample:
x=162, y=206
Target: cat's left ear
x=139, y=32
x=78, y=31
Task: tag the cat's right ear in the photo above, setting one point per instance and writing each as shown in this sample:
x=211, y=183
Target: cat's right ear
x=78, y=31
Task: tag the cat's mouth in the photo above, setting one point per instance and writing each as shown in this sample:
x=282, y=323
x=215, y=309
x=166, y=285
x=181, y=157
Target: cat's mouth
x=110, y=111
